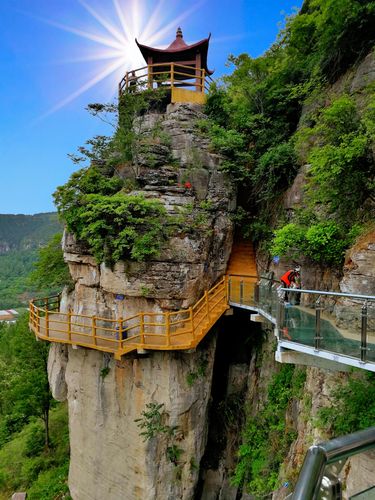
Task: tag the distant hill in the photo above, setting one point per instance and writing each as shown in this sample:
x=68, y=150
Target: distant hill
x=20, y=238
x=27, y=232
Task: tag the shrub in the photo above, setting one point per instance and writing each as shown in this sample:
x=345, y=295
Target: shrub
x=288, y=240
x=115, y=225
x=122, y=226
x=324, y=242
x=353, y=406
x=275, y=171
x=51, y=272
x=266, y=437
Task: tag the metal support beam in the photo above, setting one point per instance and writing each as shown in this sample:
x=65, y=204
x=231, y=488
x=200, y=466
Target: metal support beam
x=317, y=337
x=364, y=332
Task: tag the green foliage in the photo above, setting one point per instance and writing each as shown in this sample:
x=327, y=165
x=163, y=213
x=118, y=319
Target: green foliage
x=256, y=110
x=275, y=170
x=70, y=198
x=330, y=35
x=95, y=203
x=341, y=179
x=152, y=421
x=104, y=372
x=199, y=373
x=15, y=266
x=27, y=232
x=34, y=441
x=266, y=437
x=115, y=225
x=232, y=144
x=51, y=484
x=353, y=406
x=288, y=240
x=123, y=226
x=323, y=242
x=23, y=235
x=342, y=173
x=26, y=465
x=174, y=453
x=24, y=388
x=50, y=272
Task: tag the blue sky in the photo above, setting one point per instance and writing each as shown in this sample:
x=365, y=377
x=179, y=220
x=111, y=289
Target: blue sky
x=49, y=53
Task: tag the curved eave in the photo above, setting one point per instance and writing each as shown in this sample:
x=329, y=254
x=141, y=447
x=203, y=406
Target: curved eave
x=184, y=51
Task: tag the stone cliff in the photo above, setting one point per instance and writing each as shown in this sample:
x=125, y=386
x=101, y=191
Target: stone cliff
x=109, y=456
x=191, y=404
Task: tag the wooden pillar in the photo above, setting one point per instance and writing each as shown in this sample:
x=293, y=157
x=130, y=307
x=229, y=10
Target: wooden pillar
x=150, y=77
x=198, y=72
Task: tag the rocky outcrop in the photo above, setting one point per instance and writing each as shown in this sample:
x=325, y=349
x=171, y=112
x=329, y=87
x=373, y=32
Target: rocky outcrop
x=110, y=457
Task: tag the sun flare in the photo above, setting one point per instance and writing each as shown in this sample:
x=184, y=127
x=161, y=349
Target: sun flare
x=114, y=39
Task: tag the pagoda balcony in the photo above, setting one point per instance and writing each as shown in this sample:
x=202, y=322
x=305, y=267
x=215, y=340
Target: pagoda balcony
x=184, y=82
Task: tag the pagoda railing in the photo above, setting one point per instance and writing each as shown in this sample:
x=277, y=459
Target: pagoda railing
x=166, y=76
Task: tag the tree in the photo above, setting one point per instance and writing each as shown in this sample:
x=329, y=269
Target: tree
x=24, y=388
x=51, y=273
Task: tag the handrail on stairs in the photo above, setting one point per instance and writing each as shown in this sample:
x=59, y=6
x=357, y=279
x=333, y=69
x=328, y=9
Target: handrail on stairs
x=172, y=330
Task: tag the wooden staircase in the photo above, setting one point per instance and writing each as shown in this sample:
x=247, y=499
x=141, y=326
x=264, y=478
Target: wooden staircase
x=242, y=261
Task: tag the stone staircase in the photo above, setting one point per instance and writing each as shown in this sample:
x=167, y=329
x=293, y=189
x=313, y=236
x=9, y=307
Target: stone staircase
x=242, y=261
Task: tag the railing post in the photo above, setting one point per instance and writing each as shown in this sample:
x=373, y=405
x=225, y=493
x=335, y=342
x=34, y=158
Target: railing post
x=280, y=319
x=168, y=328
x=172, y=75
x=149, y=81
x=119, y=321
x=203, y=81
x=38, y=319
x=207, y=304
x=317, y=338
x=241, y=292
x=127, y=81
x=229, y=289
x=142, y=329
x=93, y=329
x=256, y=293
x=364, y=332
x=69, y=325
x=47, y=320
x=191, y=321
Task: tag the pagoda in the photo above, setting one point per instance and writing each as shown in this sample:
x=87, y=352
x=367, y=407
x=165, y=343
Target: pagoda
x=180, y=67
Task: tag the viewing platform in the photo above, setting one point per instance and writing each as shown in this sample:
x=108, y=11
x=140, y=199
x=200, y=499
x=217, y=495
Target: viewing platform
x=180, y=69
x=184, y=83
x=338, y=332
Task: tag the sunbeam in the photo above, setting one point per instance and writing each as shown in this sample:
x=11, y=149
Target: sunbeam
x=108, y=26
x=98, y=78
x=127, y=20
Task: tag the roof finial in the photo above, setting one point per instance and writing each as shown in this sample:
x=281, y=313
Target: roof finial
x=179, y=33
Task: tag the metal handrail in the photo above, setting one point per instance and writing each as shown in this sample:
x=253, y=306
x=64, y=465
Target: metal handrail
x=335, y=294
x=320, y=455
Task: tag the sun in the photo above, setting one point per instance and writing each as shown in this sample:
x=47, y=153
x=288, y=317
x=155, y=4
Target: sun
x=113, y=42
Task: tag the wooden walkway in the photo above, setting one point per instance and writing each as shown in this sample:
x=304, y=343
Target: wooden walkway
x=179, y=330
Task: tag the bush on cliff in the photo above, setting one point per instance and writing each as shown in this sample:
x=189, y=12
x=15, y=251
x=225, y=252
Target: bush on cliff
x=114, y=224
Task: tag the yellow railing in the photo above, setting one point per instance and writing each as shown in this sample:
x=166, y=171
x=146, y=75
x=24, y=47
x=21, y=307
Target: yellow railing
x=175, y=330
x=166, y=76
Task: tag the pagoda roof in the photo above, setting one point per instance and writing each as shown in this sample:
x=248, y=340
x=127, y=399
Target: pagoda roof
x=178, y=51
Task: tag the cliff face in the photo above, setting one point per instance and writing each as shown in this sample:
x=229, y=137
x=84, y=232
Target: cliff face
x=109, y=456
x=190, y=404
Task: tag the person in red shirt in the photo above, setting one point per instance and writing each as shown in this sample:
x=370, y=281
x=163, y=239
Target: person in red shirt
x=292, y=279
